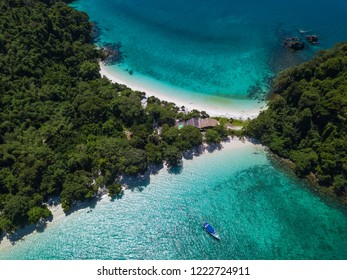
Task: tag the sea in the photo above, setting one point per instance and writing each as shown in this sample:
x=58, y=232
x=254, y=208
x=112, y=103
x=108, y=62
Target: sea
x=231, y=49
x=216, y=48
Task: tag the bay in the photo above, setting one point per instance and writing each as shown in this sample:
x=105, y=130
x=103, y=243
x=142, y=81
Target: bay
x=215, y=48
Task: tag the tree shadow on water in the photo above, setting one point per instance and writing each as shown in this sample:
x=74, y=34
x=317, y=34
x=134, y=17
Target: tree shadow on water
x=175, y=170
x=155, y=168
x=86, y=204
x=212, y=147
x=139, y=182
x=195, y=152
x=26, y=230
x=20, y=233
x=117, y=196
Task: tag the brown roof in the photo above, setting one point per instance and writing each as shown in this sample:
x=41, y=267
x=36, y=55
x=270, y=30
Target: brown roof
x=199, y=123
x=206, y=123
x=193, y=122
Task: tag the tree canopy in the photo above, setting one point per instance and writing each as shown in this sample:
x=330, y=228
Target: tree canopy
x=64, y=130
x=306, y=121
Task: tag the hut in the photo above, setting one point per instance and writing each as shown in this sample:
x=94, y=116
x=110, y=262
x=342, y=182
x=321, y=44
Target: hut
x=200, y=123
x=207, y=123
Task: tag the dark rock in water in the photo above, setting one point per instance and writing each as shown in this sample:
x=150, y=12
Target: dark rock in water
x=112, y=53
x=97, y=31
x=131, y=72
x=294, y=43
x=280, y=58
x=313, y=39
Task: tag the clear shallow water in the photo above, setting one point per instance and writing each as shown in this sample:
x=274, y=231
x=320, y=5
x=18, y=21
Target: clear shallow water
x=259, y=211
x=227, y=48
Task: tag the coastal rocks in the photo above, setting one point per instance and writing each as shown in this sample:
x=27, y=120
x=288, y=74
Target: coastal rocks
x=294, y=43
x=313, y=39
x=112, y=53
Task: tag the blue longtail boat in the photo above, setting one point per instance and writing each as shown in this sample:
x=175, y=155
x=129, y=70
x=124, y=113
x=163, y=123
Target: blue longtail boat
x=210, y=230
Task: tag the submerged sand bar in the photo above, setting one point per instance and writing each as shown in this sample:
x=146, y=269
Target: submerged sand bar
x=213, y=105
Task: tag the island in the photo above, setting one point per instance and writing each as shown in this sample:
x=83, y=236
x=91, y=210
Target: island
x=68, y=132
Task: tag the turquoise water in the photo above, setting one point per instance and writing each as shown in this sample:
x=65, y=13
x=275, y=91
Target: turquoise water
x=259, y=211
x=226, y=48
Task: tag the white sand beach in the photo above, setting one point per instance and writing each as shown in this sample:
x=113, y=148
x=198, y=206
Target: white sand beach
x=214, y=106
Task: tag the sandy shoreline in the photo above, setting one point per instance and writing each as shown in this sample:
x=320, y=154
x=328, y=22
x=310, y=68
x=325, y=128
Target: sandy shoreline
x=58, y=213
x=214, y=106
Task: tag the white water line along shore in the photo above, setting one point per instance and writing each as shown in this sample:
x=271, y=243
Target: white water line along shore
x=213, y=105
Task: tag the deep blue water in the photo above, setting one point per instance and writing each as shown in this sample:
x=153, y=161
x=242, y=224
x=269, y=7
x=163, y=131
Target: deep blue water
x=227, y=48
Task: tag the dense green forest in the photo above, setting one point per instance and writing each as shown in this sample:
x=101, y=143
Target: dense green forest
x=306, y=121
x=65, y=131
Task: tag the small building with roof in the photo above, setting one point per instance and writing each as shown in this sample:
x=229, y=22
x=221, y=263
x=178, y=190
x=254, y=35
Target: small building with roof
x=200, y=123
